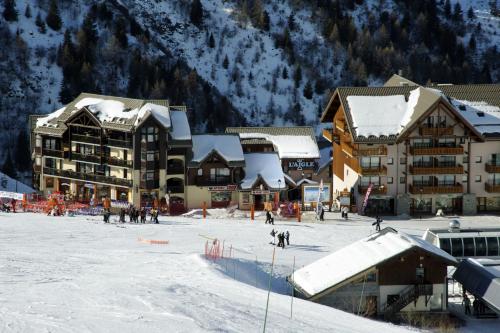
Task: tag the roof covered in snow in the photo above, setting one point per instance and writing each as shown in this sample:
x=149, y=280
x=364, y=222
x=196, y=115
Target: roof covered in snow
x=180, y=126
x=227, y=146
x=265, y=167
x=9, y=184
x=358, y=257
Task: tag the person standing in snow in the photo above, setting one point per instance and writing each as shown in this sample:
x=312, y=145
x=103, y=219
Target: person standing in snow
x=143, y=215
x=322, y=213
x=268, y=217
x=287, y=237
x=377, y=224
x=13, y=203
x=283, y=240
x=273, y=235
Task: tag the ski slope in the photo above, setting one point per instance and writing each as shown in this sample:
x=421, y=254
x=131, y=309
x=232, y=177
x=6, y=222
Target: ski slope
x=77, y=274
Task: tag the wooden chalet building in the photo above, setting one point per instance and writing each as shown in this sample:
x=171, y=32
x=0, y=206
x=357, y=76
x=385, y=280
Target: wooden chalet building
x=418, y=148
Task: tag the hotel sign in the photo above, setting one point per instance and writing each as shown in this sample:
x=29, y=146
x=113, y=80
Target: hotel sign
x=261, y=192
x=300, y=164
x=222, y=188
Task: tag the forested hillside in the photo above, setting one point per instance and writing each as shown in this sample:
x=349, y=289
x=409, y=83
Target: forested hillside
x=232, y=62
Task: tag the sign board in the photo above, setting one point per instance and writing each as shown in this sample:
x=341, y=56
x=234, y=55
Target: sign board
x=11, y=195
x=222, y=188
x=300, y=164
x=310, y=193
x=261, y=192
x=345, y=201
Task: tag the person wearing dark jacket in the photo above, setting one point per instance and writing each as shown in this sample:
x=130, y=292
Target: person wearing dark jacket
x=287, y=237
x=377, y=224
x=268, y=217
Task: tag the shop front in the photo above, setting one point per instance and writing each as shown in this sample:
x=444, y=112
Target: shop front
x=221, y=196
x=257, y=198
x=380, y=205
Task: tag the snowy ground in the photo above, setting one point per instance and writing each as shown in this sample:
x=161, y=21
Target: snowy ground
x=76, y=274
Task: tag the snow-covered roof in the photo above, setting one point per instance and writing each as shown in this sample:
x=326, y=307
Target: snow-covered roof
x=264, y=166
x=180, y=126
x=288, y=146
x=483, y=116
x=382, y=115
x=9, y=184
x=47, y=120
x=159, y=112
x=359, y=257
x=226, y=146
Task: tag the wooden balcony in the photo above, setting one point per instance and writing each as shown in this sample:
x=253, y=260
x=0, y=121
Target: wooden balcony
x=86, y=158
x=53, y=153
x=340, y=125
x=115, y=161
x=437, y=150
x=347, y=148
x=376, y=189
x=219, y=181
x=378, y=151
x=374, y=170
x=492, y=167
x=119, y=143
x=429, y=170
x=436, y=188
x=492, y=188
x=435, y=131
x=88, y=177
x=86, y=138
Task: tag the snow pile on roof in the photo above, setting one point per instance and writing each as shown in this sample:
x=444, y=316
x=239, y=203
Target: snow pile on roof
x=382, y=115
x=357, y=258
x=266, y=166
x=105, y=109
x=11, y=185
x=180, y=126
x=45, y=121
x=288, y=146
x=483, y=116
x=227, y=146
x=160, y=113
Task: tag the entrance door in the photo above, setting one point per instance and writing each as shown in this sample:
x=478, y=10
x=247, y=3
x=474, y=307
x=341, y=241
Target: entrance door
x=258, y=200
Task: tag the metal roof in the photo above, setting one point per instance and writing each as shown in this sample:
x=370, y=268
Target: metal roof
x=286, y=130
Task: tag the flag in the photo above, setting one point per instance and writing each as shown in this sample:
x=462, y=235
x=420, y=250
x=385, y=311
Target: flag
x=367, y=195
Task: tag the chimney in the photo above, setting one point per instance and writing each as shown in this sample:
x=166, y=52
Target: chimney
x=400, y=72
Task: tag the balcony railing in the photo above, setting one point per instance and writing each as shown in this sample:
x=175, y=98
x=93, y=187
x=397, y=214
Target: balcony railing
x=175, y=170
x=427, y=169
x=118, y=162
x=433, y=188
x=328, y=134
x=86, y=138
x=347, y=149
x=175, y=189
x=492, y=188
x=378, y=151
x=86, y=158
x=373, y=170
x=436, y=131
x=458, y=150
x=53, y=153
x=219, y=181
x=88, y=177
x=340, y=124
x=119, y=143
x=492, y=167
x=376, y=189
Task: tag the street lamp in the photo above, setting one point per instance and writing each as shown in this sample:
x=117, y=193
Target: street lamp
x=279, y=189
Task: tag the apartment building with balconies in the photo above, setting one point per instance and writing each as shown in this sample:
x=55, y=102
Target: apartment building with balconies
x=416, y=149
x=127, y=149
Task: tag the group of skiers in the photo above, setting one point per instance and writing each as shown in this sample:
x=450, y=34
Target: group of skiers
x=478, y=306
x=134, y=214
x=282, y=237
x=269, y=218
x=11, y=208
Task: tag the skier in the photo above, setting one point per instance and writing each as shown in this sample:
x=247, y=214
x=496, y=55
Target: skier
x=131, y=214
x=273, y=235
x=122, y=215
x=377, y=224
x=143, y=215
x=282, y=240
x=287, y=237
x=268, y=217
x=137, y=213
x=156, y=216
x=345, y=212
x=322, y=213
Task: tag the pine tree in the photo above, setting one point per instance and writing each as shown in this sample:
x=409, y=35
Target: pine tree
x=8, y=167
x=291, y=22
x=457, y=12
x=211, y=41
x=265, y=22
x=297, y=76
x=196, y=14
x=120, y=32
x=22, y=152
x=447, y=8
x=308, y=90
x=27, y=11
x=284, y=75
x=53, y=18
x=10, y=12
x=470, y=13
x=472, y=43
x=225, y=62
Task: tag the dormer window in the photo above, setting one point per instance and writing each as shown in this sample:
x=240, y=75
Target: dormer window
x=480, y=114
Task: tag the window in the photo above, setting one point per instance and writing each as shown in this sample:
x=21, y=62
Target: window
x=50, y=144
x=464, y=179
x=478, y=178
x=390, y=160
x=492, y=243
x=219, y=174
x=84, y=167
x=445, y=245
x=200, y=172
x=149, y=134
x=446, y=142
x=365, y=181
x=50, y=163
x=465, y=160
x=390, y=180
x=422, y=143
x=402, y=180
x=478, y=159
x=422, y=181
x=125, y=173
x=402, y=160
x=480, y=246
x=150, y=175
x=370, y=162
x=457, y=247
x=447, y=161
x=469, y=247
x=422, y=161
x=420, y=273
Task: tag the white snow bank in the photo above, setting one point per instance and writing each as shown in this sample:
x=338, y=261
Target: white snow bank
x=227, y=146
x=180, y=126
x=266, y=166
x=45, y=120
x=357, y=258
x=288, y=146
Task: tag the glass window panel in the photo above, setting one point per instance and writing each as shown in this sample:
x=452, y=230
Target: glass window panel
x=469, y=247
x=480, y=246
x=457, y=247
x=445, y=244
x=492, y=243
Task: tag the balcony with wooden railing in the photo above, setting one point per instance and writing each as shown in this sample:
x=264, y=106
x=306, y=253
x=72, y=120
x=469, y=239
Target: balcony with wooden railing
x=429, y=169
x=86, y=138
x=328, y=134
x=90, y=158
x=347, y=148
x=435, y=188
x=119, y=162
x=376, y=151
x=53, y=153
x=119, y=143
x=492, y=187
x=376, y=189
x=492, y=167
x=340, y=124
x=373, y=170
x=87, y=177
x=435, y=131
x=436, y=150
